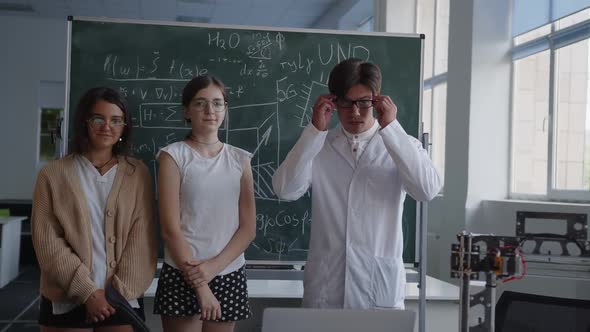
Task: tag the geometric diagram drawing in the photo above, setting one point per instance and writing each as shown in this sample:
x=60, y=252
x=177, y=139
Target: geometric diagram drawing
x=261, y=138
x=309, y=94
x=263, y=181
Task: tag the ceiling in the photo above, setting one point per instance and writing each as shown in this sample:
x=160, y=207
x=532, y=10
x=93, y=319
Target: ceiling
x=286, y=13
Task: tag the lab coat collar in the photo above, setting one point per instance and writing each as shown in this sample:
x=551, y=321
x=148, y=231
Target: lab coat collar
x=374, y=145
x=364, y=136
x=339, y=142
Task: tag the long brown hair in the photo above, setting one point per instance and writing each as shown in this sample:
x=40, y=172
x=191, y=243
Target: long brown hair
x=80, y=142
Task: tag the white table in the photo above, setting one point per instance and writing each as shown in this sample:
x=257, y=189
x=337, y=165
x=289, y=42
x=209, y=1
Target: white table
x=10, y=233
x=442, y=298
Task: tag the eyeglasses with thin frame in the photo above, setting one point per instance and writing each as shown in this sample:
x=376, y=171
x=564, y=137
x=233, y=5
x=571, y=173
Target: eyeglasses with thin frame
x=360, y=103
x=97, y=122
x=200, y=105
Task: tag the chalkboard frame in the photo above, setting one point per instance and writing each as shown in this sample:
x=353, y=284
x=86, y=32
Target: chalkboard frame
x=66, y=120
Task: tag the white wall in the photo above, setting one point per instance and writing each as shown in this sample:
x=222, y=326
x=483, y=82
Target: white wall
x=489, y=104
x=357, y=13
x=447, y=213
x=336, y=17
x=33, y=50
x=403, y=13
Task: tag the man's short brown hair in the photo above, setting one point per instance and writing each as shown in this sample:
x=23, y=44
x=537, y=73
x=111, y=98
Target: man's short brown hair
x=351, y=72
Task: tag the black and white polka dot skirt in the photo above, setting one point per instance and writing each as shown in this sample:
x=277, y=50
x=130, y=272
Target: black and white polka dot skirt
x=176, y=298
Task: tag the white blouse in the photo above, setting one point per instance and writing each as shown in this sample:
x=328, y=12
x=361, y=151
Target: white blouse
x=209, y=199
x=96, y=188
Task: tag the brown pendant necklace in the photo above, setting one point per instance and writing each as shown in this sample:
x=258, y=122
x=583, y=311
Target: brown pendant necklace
x=98, y=168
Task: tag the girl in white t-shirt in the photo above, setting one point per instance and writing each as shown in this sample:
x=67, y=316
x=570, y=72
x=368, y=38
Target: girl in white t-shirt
x=207, y=216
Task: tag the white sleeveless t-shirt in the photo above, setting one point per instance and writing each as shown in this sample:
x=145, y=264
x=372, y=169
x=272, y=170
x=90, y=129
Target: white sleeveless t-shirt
x=209, y=199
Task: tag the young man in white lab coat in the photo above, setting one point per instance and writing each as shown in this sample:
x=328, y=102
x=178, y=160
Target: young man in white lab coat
x=360, y=173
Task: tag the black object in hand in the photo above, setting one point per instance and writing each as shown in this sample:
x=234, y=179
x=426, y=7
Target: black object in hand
x=124, y=309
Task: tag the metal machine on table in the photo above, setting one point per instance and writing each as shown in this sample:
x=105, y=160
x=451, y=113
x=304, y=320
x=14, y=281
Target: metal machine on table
x=562, y=253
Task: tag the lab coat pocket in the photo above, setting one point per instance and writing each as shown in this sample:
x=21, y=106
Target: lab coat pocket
x=386, y=282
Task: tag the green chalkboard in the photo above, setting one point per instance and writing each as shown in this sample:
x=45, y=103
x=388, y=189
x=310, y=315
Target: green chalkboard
x=272, y=78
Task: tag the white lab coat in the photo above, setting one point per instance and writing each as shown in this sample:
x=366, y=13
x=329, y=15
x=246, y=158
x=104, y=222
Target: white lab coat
x=356, y=245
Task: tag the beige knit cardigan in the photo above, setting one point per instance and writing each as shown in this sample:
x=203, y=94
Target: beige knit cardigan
x=62, y=237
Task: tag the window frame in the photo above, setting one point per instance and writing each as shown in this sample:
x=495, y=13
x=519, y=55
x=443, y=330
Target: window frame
x=432, y=82
x=555, y=40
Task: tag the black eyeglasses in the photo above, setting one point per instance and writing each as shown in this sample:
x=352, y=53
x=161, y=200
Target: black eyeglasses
x=360, y=103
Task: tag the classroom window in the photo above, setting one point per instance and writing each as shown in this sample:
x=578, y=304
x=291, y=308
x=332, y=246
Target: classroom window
x=425, y=21
x=530, y=127
x=432, y=19
x=551, y=112
x=427, y=110
x=576, y=18
x=572, y=162
x=367, y=24
x=51, y=110
x=532, y=35
x=47, y=141
x=439, y=118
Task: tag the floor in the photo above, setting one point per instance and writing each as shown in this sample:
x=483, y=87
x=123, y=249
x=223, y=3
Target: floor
x=19, y=306
x=19, y=302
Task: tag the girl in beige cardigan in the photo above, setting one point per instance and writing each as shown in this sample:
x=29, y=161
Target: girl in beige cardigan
x=93, y=222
